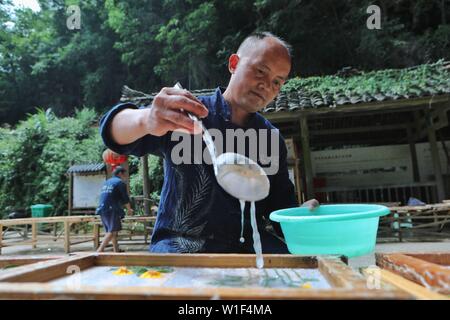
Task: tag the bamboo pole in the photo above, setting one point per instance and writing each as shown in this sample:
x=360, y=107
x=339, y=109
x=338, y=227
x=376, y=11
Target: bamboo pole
x=435, y=158
x=306, y=156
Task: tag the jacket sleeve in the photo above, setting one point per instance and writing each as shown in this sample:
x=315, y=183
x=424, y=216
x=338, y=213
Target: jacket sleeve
x=147, y=144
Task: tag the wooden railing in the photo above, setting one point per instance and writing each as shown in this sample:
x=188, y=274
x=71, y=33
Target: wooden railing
x=426, y=192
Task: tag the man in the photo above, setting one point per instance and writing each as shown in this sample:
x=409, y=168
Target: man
x=112, y=199
x=196, y=214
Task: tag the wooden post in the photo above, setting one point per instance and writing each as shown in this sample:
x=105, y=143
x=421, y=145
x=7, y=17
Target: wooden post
x=298, y=181
x=70, y=193
x=55, y=231
x=146, y=183
x=34, y=227
x=306, y=156
x=435, y=158
x=412, y=149
x=96, y=235
x=126, y=166
x=1, y=237
x=66, y=236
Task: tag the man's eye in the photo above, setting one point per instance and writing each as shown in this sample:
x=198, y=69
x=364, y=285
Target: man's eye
x=260, y=72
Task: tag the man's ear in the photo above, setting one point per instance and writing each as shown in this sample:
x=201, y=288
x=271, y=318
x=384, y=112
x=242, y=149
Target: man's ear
x=233, y=62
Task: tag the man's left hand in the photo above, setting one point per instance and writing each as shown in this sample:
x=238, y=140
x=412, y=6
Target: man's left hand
x=311, y=204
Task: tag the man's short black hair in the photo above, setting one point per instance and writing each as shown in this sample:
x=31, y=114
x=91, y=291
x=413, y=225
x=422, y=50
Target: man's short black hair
x=118, y=170
x=260, y=35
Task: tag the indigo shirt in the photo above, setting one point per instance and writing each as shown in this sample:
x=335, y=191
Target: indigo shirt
x=112, y=197
x=195, y=214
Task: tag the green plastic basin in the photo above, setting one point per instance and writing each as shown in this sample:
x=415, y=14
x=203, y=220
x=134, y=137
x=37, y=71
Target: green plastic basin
x=342, y=229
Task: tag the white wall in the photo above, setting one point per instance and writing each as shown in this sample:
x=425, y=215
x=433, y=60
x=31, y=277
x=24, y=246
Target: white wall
x=374, y=166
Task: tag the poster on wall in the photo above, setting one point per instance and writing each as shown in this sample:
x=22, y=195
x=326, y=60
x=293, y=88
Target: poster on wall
x=375, y=166
x=86, y=190
x=368, y=166
x=425, y=163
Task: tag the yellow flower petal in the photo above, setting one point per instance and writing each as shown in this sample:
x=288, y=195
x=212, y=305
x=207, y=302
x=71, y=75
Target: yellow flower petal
x=306, y=285
x=122, y=271
x=151, y=274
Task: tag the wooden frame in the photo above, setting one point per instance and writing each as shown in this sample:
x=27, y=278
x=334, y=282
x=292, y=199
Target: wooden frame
x=430, y=270
x=23, y=260
x=346, y=283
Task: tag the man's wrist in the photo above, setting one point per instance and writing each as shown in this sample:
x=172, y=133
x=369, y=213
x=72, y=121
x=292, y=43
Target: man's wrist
x=142, y=121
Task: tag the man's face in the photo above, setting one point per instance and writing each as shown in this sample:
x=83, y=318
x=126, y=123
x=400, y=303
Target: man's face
x=258, y=75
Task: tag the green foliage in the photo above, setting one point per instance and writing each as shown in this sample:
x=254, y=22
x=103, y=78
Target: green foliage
x=35, y=156
x=148, y=44
x=156, y=178
x=391, y=82
x=183, y=39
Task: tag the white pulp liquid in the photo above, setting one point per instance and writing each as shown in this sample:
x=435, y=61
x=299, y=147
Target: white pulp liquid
x=242, y=239
x=256, y=238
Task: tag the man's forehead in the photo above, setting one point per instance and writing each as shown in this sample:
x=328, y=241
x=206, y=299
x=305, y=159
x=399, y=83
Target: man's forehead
x=263, y=46
x=270, y=59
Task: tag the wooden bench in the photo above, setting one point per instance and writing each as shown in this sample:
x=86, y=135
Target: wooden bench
x=431, y=217
x=67, y=221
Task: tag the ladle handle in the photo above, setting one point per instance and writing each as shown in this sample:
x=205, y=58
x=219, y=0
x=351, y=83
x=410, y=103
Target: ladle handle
x=206, y=136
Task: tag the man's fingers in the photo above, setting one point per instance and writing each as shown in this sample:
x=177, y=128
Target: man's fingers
x=189, y=105
x=172, y=126
x=314, y=204
x=180, y=119
x=183, y=92
x=183, y=99
x=311, y=204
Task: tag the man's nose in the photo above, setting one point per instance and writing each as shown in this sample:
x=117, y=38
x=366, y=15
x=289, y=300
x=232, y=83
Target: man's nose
x=263, y=85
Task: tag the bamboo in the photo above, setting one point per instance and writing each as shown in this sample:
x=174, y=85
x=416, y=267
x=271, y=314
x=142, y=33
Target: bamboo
x=414, y=289
x=428, y=274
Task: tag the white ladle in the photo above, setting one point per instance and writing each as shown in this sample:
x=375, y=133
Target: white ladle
x=238, y=175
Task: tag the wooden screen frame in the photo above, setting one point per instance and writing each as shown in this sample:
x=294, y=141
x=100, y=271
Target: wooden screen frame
x=425, y=269
x=346, y=283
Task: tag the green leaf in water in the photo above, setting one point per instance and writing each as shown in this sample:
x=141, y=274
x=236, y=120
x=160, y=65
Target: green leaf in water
x=9, y=266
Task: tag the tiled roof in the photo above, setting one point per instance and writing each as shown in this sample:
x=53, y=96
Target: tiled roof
x=348, y=87
x=84, y=168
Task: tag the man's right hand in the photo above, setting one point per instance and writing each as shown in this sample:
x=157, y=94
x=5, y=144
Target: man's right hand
x=167, y=113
